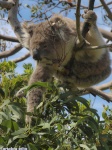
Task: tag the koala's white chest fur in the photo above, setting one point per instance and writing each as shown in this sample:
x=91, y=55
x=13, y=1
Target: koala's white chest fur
x=66, y=51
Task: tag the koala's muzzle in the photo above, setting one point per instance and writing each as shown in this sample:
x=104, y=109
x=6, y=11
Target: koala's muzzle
x=36, y=55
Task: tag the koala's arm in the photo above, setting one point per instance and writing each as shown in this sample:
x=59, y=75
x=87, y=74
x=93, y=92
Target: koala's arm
x=41, y=73
x=94, y=36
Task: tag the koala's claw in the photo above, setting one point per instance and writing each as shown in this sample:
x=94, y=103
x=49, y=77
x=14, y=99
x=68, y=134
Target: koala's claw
x=28, y=120
x=89, y=16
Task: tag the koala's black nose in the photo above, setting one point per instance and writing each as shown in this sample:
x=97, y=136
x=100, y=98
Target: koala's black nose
x=36, y=55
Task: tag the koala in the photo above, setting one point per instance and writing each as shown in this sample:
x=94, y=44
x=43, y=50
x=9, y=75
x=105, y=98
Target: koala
x=53, y=45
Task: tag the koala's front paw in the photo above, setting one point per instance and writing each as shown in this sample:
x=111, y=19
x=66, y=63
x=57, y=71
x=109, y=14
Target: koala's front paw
x=89, y=16
x=28, y=120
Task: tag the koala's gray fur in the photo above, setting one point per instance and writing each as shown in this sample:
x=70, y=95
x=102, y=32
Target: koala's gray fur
x=52, y=44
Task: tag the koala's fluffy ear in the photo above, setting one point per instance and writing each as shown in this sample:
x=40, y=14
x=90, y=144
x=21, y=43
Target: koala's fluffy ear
x=28, y=32
x=28, y=28
x=56, y=23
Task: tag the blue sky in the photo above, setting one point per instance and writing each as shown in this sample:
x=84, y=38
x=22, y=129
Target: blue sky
x=96, y=101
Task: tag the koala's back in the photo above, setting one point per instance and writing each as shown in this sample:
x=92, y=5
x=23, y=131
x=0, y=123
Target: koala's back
x=81, y=74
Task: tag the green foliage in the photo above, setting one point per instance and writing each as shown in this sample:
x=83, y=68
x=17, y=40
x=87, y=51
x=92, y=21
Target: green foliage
x=62, y=121
x=11, y=82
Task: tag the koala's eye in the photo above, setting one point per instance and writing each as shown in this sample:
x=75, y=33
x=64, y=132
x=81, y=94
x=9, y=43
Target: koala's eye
x=44, y=46
x=31, y=32
x=90, y=18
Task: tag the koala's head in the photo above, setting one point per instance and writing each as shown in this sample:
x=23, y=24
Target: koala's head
x=47, y=39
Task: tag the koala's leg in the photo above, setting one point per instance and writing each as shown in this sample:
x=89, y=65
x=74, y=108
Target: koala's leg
x=35, y=95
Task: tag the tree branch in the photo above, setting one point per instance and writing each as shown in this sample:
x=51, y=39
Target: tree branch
x=107, y=97
x=7, y=5
x=11, y=52
x=104, y=86
x=8, y=38
x=109, y=3
x=97, y=90
x=107, y=9
x=21, y=58
x=16, y=26
x=12, y=18
x=106, y=34
x=80, y=39
x=78, y=21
